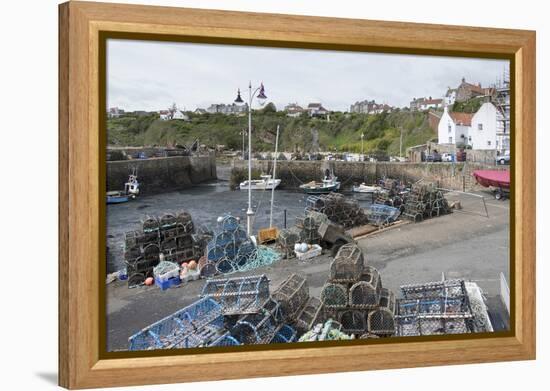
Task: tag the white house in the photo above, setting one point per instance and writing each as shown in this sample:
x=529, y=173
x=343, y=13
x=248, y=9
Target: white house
x=293, y=110
x=165, y=115
x=450, y=96
x=453, y=127
x=430, y=103
x=483, y=132
x=178, y=114
x=316, y=110
x=479, y=130
x=114, y=112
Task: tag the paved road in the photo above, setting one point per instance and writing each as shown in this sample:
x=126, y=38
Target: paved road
x=465, y=244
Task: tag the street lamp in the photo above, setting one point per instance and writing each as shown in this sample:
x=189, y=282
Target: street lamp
x=260, y=95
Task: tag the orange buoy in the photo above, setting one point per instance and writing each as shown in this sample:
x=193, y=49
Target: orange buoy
x=149, y=281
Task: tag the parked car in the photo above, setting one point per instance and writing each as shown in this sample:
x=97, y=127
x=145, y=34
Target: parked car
x=446, y=157
x=503, y=159
x=434, y=157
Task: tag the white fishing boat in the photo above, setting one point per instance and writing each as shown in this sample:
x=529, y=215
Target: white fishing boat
x=265, y=183
x=364, y=188
x=328, y=184
x=131, y=191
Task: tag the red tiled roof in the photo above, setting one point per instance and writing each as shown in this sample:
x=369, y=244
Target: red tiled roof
x=462, y=118
x=474, y=88
x=432, y=101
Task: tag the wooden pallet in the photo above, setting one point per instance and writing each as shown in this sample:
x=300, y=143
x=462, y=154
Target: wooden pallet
x=369, y=230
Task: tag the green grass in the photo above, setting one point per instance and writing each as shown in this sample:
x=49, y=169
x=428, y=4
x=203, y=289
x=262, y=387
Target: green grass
x=341, y=133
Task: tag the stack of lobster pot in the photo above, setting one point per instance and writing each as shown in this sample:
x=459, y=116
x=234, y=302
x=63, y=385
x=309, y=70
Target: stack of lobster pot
x=292, y=295
x=353, y=295
x=171, y=235
x=393, y=194
x=229, y=250
x=425, y=200
x=338, y=209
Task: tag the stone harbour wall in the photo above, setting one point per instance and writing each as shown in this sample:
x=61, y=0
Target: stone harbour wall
x=455, y=176
x=157, y=175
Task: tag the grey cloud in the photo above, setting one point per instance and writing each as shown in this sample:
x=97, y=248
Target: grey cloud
x=151, y=75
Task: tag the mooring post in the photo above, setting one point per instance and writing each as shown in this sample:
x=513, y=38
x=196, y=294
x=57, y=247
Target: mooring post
x=284, y=221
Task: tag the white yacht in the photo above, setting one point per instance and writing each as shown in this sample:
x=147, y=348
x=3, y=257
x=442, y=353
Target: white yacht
x=265, y=183
x=364, y=188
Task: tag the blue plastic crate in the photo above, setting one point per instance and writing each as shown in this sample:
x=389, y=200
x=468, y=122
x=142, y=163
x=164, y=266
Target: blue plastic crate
x=165, y=284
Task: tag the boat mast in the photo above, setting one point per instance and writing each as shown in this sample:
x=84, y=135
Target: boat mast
x=249, y=212
x=273, y=179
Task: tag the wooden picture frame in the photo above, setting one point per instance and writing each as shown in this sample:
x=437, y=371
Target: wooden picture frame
x=82, y=364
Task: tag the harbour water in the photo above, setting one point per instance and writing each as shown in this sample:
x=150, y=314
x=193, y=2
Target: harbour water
x=205, y=202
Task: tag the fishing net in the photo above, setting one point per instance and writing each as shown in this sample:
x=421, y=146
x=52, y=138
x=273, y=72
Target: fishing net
x=329, y=331
x=230, y=250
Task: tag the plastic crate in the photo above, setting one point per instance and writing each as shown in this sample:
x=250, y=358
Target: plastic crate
x=166, y=284
x=313, y=252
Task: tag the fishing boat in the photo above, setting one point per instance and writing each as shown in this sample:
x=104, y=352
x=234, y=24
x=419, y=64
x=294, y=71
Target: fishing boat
x=117, y=197
x=131, y=191
x=328, y=184
x=497, y=180
x=265, y=183
x=132, y=186
x=364, y=188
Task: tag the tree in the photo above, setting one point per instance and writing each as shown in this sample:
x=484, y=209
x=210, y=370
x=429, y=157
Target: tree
x=270, y=108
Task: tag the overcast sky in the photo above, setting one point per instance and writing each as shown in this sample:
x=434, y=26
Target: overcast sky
x=143, y=75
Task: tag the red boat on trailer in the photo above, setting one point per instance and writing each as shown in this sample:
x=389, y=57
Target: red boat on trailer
x=499, y=180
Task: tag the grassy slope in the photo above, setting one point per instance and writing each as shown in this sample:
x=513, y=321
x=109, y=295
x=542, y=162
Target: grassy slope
x=342, y=132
